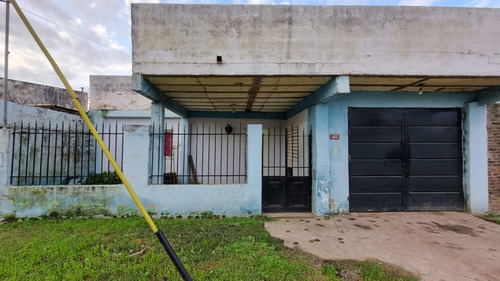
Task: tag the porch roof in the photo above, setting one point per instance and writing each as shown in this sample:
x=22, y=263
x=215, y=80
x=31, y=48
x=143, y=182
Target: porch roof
x=274, y=96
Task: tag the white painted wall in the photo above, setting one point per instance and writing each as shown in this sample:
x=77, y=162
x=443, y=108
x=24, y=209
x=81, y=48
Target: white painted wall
x=273, y=146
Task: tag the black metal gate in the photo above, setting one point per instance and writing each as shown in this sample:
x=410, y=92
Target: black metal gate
x=405, y=159
x=286, y=181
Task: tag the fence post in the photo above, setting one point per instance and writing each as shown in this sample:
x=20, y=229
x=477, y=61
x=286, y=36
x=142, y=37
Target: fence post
x=98, y=120
x=184, y=150
x=5, y=155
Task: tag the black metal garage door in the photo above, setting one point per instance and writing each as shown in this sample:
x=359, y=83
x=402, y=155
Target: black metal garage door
x=405, y=159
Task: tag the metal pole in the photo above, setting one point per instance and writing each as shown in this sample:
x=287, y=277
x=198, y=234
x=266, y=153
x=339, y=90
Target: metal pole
x=168, y=248
x=6, y=71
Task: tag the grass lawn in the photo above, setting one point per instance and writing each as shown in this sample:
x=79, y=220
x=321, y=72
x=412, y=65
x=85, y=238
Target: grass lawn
x=211, y=249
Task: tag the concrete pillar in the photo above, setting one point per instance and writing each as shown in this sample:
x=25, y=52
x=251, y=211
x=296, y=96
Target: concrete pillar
x=136, y=154
x=254, y=167
x=318, y=122
x=476, y=157
x=5, y=135
x=157, y=141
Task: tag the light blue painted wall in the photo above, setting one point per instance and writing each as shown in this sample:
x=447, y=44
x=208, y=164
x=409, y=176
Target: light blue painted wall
x=333, y=119
x=475, y=157
x=228, y=199
x=321, y=179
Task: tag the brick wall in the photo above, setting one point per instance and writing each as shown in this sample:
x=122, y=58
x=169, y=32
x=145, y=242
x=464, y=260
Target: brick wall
x=494, y=157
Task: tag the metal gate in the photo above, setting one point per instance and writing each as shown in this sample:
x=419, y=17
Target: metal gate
x=405, y=159
x=286, y=181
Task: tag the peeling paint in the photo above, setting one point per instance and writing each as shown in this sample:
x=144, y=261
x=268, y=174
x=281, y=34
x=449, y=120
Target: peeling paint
x=69, y=201
x=322, y=189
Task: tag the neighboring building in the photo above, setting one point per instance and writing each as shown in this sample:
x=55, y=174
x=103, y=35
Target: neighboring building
x=494, y=156
x=111, y=92
x=395, y=97
x=42, y=96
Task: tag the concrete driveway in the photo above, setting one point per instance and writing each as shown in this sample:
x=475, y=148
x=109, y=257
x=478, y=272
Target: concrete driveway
x=434, y=245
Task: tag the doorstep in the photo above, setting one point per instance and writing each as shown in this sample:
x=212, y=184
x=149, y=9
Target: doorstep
x=302, y=215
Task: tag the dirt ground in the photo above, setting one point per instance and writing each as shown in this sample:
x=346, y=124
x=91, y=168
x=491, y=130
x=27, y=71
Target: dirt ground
x=434, y=245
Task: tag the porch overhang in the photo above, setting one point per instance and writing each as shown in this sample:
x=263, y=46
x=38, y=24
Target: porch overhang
x=281, y=97
x=273, y=61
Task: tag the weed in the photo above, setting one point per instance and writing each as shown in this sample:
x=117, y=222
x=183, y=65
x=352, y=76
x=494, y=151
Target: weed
x=164, y=214
x=10, y=217
x=103, y=178
x=494, y=217
x=330, y=271
x=375, y=270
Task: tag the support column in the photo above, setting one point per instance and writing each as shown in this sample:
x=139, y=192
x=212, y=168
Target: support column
x=254, y=167
x=5, y=136
x=476, y=157
x=157, y=141
x=318, y=122
x=135, y=154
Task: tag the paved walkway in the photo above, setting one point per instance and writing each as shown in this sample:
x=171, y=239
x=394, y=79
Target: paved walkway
x=435, y=245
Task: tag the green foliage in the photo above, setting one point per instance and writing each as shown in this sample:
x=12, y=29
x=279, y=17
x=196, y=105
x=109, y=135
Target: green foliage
x=330, y=271
x=103, y=178
x=88, y=249
x=494, y=216
x=374, y=271
x=10, y=217
x=211, y=249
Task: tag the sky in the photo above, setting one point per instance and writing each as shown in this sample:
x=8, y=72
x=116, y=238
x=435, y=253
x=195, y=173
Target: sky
x=92, y=37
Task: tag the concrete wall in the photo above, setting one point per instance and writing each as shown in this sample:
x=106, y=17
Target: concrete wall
x=41, y=95
x=17, y=113
x=475, y=157
x=228, y=199
x=115, y=92
x=329, y=40
x=331, y=157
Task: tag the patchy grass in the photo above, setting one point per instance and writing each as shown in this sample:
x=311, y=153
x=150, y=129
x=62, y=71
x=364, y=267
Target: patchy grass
x=125, y=249
x=493, y=217
x=372, y=270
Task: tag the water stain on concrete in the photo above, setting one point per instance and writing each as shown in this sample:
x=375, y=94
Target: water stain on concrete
x=457, y=228
x=363, y=226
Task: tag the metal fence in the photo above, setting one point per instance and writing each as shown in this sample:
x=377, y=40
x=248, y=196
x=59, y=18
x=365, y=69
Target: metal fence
x=210, y=154
x=286, y=152
x=61, y=153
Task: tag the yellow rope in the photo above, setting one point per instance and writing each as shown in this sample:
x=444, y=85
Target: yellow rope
x=86, y=118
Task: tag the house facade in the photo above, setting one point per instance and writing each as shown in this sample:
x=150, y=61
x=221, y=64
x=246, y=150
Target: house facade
x=394, y=98
x=249, y=109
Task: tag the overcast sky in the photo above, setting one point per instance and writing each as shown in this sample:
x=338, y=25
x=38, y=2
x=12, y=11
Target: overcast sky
x=92, y=37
